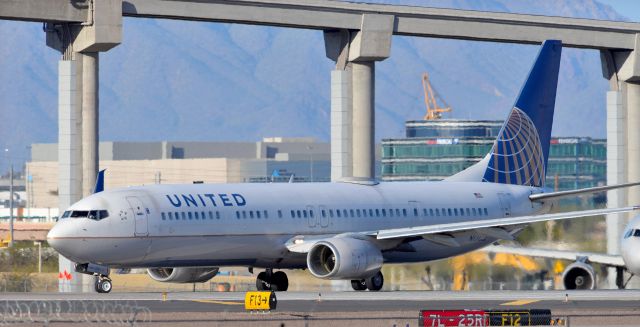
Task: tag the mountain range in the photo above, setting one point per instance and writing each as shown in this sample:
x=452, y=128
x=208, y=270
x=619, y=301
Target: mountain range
x=176, y=80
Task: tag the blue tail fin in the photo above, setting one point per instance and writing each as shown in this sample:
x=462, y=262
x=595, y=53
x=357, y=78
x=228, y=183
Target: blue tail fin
x=99, y=182
x=519, y=154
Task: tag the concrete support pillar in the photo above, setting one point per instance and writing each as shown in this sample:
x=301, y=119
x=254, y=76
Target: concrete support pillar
x=341, y=145
x=363, y=119
x=90, y=126
x=69, y=155
x=633, y=140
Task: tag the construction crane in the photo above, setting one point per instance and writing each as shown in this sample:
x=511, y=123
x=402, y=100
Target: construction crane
x=431, y=98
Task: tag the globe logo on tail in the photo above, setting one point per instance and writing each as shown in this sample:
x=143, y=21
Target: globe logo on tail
x=517, y=157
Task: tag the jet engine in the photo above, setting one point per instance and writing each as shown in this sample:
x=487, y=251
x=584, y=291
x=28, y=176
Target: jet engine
x=579, y=276
x=344, y=258
x=183, y=275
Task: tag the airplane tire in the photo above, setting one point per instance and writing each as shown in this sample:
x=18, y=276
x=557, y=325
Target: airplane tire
x=375, y=282
x=280, y=282
x=262, y=284
x=358, y=285
x=106, y=286
x=98, y=285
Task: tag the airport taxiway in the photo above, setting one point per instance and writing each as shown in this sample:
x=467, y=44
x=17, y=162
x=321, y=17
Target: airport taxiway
x=610, y=307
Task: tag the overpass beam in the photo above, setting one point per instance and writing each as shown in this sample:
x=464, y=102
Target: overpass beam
x=355, y=54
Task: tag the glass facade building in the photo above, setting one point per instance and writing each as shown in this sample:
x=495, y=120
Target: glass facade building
x=434, y=150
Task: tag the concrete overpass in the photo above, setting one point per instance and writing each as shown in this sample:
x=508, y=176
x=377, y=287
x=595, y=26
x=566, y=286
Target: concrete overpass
x=356, y=36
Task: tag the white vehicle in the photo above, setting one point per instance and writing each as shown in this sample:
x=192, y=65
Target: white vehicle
x=345, y=230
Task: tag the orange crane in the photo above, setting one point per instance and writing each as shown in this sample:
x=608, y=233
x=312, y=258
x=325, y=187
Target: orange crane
x=430, y=100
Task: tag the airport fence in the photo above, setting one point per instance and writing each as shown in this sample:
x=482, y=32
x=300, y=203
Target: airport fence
x=125, y=313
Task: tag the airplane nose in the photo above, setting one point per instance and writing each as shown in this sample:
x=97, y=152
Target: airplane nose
x=59, y=239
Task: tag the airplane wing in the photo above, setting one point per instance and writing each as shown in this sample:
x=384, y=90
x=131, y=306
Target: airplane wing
x=582, y=191
x=492, y=225
x=600, y=258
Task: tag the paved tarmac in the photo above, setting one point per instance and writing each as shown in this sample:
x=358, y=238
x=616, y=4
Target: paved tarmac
x=582, y=308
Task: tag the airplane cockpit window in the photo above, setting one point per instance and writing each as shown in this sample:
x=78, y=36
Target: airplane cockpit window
x=66, y=214
x=91, y=214
x=636, y=233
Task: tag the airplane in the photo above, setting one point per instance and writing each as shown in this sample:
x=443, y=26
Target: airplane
x=580, y=275
x=339, y=231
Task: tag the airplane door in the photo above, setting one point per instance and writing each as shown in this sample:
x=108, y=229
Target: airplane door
x=505, y=203
x=140, y=216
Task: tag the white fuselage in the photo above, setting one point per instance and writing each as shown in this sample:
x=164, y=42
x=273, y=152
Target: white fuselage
x=249, y=224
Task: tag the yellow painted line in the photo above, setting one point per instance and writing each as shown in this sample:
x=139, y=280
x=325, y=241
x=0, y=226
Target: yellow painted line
x=219, y=302
x=520, y=302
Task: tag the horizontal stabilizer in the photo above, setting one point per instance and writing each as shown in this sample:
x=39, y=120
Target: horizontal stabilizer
x=583, y=191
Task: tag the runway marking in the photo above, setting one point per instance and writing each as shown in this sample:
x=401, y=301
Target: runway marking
x=220, y=302
x=520, y=302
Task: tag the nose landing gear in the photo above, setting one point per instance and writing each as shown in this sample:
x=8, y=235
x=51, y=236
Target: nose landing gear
x=270, y=281
x=103, y=284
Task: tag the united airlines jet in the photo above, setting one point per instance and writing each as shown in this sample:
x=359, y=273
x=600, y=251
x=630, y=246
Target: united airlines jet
x=344, y=230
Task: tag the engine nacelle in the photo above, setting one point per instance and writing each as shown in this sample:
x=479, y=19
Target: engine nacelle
x=344, y=258
x=182, y=275
x=579, y=276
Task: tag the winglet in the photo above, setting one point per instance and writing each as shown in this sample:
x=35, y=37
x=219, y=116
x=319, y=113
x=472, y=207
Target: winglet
x=99, y=182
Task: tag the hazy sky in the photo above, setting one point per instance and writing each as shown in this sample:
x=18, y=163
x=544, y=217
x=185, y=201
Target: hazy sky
x=627, y=8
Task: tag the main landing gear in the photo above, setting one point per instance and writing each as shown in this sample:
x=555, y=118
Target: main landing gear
x=272, y=281
x=373, y=283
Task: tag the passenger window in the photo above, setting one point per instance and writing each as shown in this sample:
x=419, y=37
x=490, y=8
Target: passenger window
x=338, y=213
x=404, y=212
x=217, y=214
x=358, y=212
x=177, y=216
x=437, y=212
x=486, y=212
x=163, y=216
x=450, y=212
x=266, y=214
x=244, y=214
x=398, y=212
x=293, y=214
x=211, y=215
x=258, y=214
x=351, y=213
x=184, y=215
x=455, y=211
x=170, y=216
x=251, y=214
x=390, y=212
x=238, y=214
x=384, y=212
x=304, y=213
x=474, y=211
x=430, y=212
x=468, y=212
x=370, y=212
x=196, y=215
x=415, y=212
x=279, y=213
x=345, y=213
x=299, y=214
x=377, y=212
x=424, y=212
x=190, y=216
